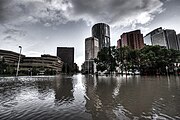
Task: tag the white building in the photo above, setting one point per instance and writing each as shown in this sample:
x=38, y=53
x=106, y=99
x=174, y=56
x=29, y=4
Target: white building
x=91, y=52
x=162, y=37
x=91, y=48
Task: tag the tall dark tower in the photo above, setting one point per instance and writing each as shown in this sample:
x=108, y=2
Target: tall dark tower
x=102, y=32
x=67, y=56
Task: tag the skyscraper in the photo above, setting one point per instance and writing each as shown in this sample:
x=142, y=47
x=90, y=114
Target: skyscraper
x=171, y=39
x=119, y=43
x=162, y=37
x=133, y=39
x=91, y=48
x=101, y=31
x=91, y=52
x=178, y=39
x=67, y=56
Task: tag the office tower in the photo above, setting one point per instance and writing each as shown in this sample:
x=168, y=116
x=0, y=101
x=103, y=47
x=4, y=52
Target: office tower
x=67, y=56
x=162, y=37
x=155, y=37
x=91, y=48
x=171, y=38
x=119, y=43
x=91, y=52
x=101, y=31
x=178, y=39
x=133, y=40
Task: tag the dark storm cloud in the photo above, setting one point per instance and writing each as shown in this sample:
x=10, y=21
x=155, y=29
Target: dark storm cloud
x=29, y=11
x=115, y=12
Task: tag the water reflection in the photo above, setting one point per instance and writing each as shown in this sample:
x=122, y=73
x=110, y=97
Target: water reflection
x=133, y=97
x=63, y=88
x=101, y=101
x=90, y=97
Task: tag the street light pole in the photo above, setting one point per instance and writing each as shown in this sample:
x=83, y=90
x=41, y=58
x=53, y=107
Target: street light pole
x=18, y=61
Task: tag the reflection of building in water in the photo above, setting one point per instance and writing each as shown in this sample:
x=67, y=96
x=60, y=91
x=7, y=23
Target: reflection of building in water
x=63, y=88
x=101, y=102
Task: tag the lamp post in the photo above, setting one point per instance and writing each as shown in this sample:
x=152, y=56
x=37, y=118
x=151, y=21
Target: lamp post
x=18, y=61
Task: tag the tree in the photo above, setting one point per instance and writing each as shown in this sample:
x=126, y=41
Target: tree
x=106, y=59
x=122, y=57
x=155, y=59
x=3, y=66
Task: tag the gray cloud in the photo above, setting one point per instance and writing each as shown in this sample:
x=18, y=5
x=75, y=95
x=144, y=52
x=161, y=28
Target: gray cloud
x=117, y=12
x=15, y=32
x=114, y=12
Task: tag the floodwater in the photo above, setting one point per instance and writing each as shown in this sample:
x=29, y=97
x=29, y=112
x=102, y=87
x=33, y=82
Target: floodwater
x=81, y=97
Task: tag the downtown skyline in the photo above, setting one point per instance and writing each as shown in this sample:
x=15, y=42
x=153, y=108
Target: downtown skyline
x=40, y=26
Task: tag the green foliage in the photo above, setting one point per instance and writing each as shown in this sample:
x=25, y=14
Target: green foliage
x=149, y=60
x=106, y=59
x=155, y=59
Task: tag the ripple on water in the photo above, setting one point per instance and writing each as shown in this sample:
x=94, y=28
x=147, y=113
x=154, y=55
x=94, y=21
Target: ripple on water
x=9, y=104
x=49, y=98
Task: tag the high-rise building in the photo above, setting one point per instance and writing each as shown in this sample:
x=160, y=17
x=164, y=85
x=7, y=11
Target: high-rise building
x=119, y=43
x=101, y=31
x=155, y=37
x=91, y=48
x=171, y=38
x=67, y=56
x=91, y=52
x=162, y=37
x=178, y=39
x=133, y=39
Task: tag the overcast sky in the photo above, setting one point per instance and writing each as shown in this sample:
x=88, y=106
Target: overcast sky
x=40, y=26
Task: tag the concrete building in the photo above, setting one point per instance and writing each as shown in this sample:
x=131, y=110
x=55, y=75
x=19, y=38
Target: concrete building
x=42, y=64
x=29, y=64
x=171, y=38
x=91, y=48
x=178, y=39
x=147, y=39
x=91, y=52
x=119, y=43
x=67, y=56
x=101, y=31
x=133, y=39
x=162, y=37
x=10, y=57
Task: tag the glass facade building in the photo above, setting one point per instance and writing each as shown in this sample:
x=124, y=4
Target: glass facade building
x=101, y=31
x=163, y=37
x=67, y=56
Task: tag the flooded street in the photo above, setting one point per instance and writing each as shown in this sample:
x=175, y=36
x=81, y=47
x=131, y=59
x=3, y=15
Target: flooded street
x=81, y=97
